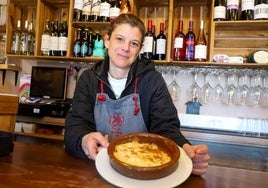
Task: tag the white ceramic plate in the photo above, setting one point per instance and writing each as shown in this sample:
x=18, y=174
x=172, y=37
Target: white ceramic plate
x=176, y=178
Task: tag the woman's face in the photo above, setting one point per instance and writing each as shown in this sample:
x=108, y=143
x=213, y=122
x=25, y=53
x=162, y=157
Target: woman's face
x=124, y=45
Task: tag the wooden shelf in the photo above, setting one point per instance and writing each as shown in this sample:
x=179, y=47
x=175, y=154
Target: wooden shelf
x=7, y=67
x=42, y=120
x=52, y=137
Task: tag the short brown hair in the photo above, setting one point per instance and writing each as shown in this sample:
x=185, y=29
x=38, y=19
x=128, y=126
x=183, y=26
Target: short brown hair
x=130, y=19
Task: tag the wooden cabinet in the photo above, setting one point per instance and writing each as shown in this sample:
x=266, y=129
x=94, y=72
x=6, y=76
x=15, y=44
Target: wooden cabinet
x=224, y=37
x=41, y=127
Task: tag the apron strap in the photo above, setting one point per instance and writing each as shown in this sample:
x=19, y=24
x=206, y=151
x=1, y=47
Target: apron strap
x=135, y=98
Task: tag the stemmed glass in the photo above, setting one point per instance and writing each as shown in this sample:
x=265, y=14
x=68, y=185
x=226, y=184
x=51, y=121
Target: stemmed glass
x=218, y=89
x=241, y=92
x=264, y=94
x=174, y=88
x=255, y=90
x=194, y=90
x=228, y=92
x=207, y=91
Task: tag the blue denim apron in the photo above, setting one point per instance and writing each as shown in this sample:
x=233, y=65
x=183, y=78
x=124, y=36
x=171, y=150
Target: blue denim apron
x=118, y=117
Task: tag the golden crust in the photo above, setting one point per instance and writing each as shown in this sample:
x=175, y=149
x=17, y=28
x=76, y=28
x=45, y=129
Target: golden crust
x=141, y=154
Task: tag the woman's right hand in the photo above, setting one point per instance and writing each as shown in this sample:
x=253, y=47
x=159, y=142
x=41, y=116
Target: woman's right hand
x=93, y=142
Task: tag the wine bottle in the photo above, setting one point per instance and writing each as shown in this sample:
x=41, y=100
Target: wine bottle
x=78, y=5
x=15, y=48
x=86, y=10
x=45, y=39
x=247, y=10
x=31, y=40
x=125, y=7
x=154, y=41
x=179, y=49
x=90, y=43
x=148, y=42
x=105, y=11
x=261, y=10
x=77, y=43
x=190, y=42
x=63, y=39
x=115, y=9
x=219, y=10
x=201, y=44
x=232, y=10
x=161, y=43
x=24, y=40
x=95, y=11
x=84, y=43
x=54, y=39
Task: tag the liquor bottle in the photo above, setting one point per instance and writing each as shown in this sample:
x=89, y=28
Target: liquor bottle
x=219, y=10
x=247, y=10
x=105, y=11
x=161, y=43
x=78, y=5
x=232, y=10
x=45, y=39
x=15, y=48
x=179, y=49
x=90, y=43
x=95, y=11
x=115, y=9
x=125, y=7
x=148, y=42
x=77, y=43
x=86, y=10
x=54, y=39
x=261, y=10
x=63, y=39
x=190, y=42
x=154, y=41
x=84, y=43
x=31, y=40
x=99, y=49
x=24, y=39
x=201, y=44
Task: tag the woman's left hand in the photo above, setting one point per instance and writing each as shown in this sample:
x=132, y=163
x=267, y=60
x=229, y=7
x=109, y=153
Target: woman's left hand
x=200, y=157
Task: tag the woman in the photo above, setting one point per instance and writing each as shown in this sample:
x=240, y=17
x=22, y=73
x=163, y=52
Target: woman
x=123, y=94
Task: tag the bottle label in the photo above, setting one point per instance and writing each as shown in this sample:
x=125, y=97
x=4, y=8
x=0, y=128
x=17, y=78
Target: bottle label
x=200, y=51
x=178, y=42
x=78, y=4
x=54, y=43
x=189, y=49
x=114, y=12
x=45, y=42
x=84, y=49
x=63, y=42
x=105, y=9
x=161, y=46
x=232, y=2
x=86, y=7
x=219, y=12
x=77, y=49
x=95, y=10
x=247, y=5
x=148, y=44
x=261, y=11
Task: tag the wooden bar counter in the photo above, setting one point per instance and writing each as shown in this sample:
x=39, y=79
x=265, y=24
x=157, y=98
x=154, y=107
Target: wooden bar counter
x=43, y=165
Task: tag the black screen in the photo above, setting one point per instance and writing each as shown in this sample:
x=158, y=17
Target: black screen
x=48, y=82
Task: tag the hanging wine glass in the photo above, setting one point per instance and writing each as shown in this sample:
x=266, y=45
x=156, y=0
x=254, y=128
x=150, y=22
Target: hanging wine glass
x=174, y=88
x=218, y=89
x=255, y=90
x=194, y=89
x=228, y=92
x=241, y=92
x=207, y=91
x=264, y=94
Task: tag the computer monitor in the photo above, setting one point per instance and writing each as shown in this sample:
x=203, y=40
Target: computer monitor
x=48, y=83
